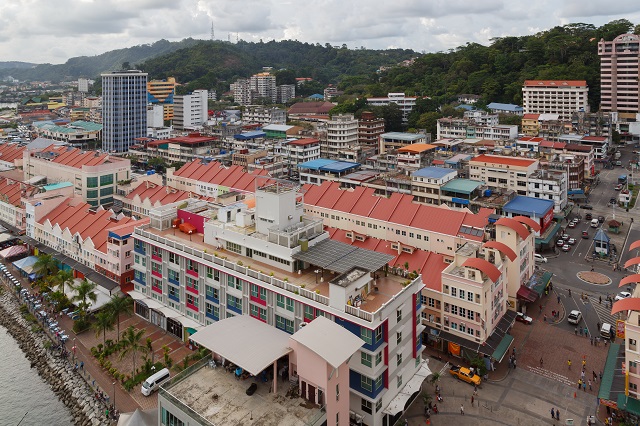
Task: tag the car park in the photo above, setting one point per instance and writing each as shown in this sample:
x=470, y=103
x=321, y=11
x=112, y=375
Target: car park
x=560, y=243
x=574, y=317
x=523, y=318
x=539, y=258
x=566, y=247
x=622, y=295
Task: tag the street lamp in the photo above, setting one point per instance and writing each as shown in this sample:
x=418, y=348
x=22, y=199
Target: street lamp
x=114, y=395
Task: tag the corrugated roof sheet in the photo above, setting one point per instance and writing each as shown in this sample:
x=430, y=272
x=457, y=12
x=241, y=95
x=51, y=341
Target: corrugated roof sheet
x=433, y=172
x=528, y=206
x=466, y=186
x=499, y=159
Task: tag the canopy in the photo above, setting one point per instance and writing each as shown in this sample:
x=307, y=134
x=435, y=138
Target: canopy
x=244, y=341
x=26, y=264
x=13, y=251
x=398, y=403
x=139, y=418
x=144, y=300
x=502, y=348
x=4, y=237
x=101, y=298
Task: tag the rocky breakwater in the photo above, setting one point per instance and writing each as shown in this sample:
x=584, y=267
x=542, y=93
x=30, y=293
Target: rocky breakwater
x=66, y=383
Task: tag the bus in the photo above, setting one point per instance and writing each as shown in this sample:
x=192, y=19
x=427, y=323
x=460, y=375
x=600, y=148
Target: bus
x=622, y=179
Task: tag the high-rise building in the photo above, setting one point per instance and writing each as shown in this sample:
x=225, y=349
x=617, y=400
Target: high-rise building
x=286, y=92
x=190, y=111
x=369, y=129
x=264, y=86
x=162, y=92
x=563, y=97
x=124, y=109
x=619, y=72
x=84, y=84
x=342, y=133
x=241, y=91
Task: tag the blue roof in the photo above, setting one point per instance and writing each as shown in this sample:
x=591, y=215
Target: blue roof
x=461, y=186
x=466, y=107
x=327, y=165
x=250, y=135
x=601, y=236
x=505, y=107
x=433, y=172
x=528, y=206
x=316, y=96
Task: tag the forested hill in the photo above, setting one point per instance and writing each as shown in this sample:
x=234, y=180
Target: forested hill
x=497, y=72
x=215, y=64
x=92, y=66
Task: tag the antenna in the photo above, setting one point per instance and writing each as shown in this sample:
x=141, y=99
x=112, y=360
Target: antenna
x=229, y=37
x=237, y=37
x=213, y=34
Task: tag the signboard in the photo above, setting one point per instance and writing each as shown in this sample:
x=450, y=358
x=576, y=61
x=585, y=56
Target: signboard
x=546, y=220
x=620, y=329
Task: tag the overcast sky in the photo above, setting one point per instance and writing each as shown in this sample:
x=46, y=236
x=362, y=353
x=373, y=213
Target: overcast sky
x=53, y=31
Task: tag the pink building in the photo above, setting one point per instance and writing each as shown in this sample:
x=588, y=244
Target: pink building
x=619, y=72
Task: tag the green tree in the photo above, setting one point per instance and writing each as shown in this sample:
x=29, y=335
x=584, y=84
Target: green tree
x=103, y=322
x=64, y=277
x=429, y=122
x=45, y=265
x=85, y=292
x=613, y=29
x=132, y=342
x=120, y=305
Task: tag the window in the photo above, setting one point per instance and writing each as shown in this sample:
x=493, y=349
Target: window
x=258, y=312
x=174, y=258
x=399, y=382
x=280, y=300
x=378, y=405
x=192, y=300
x=106, y=180
x=192, y=266
x=174, y=293
x=234, y=303
x=366, y=383
x=398, y=337
x=92, y=182
x=156, y=251
x=173, y=276
x=156, y=267
x=234, y=282
x=192, y=283
x=462, y=294
x=454, y=291
x=469, y=296
x=378, y=334
x=365, y=359
x=284, y=324
x=233, y=247
x=366, y=335
x=309, y=313
x=366, y=406
x=106, y=191
x=379, y=382
x=289, y=304
x=92, y=193
x=378, y=358
x=169, y=419
x=212, y=310
x=399, y=315
x=337, y=392
x=399, y=359
x=211, y=293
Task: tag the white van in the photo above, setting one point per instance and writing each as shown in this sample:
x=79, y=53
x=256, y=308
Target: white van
x=539, y=258
x=153, y=383
x=606, y=331
x=595, y=223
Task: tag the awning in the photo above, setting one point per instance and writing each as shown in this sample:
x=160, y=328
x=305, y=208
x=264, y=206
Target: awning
x=526, y=294
x=613, y=379
x=144, y=300
x=502, y=348
x=630, y=405
x=189, y=323
x=13, y=251
x=167, y=312
x=26, y=264
x=548, y=234
x=414, y=384
x=245, y=341
x=136, y=295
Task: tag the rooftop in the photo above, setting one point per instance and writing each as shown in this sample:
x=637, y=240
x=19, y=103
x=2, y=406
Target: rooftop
x=234, y=177
x=528, y=206
x=408, y=137
x=466, y=186
x=73, y=157
x=555, y=83
x=327, y=165
x=433, y=172
x=507, y=161
x=504, y=107
x=417, y=148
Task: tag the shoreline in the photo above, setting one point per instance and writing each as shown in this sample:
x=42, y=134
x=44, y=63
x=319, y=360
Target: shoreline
x=68, y=385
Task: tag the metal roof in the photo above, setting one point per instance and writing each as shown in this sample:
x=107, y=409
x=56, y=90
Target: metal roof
x=340, y=257
x=327, y=165
x=409, y=137
x=277, y=127
x=466, y=186
x=315, y=164
x=433, y=172
x=528, y=205
x=504, y=107
x=330, y=341
x=247, y=342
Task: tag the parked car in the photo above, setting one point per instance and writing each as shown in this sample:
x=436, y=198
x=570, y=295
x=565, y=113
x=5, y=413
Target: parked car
x=600, y=219
x=539, y=258
x=622, y=295
x=560, y=243
x=465, y=374
x=566, y=247
x=587, y=206
x=571, y=241
x=574, y=317
x=588, y=216
x=618, y=187
x=565, y=236
x=571, y=225
x=612, y=201
x=523, y=318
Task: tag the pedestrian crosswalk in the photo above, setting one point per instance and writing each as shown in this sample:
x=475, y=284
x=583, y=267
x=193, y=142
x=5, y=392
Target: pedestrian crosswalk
x=603, y=310
x=551, y=375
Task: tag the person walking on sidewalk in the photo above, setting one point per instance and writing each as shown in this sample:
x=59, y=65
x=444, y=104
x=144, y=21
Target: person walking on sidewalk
x=541, y=362
x=553, y=413
x=462, y=409
x=569, y=363
x=590, y=388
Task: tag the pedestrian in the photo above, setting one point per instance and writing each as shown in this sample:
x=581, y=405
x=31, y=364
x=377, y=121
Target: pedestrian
x=557, y=414
x=541, y=362
x=553, y=314
x=598, y=325
x=462, y=409
x=558, y=300
x=591, y=340
x=595, y=377
x=600, y=376
x=82, y=365
x=584, y=363
x=513, y=352
x=472, y=400
x=584, y=386
x=579, y=383
x=510, y=362
x=599, y=297
x=545, y=317
x=590, y=388
x=514, y=363
x=106, y=413
x=580, y=330
x=582, y=375
x=569, y=292
x=475, y=389
x=586, y=331
x=591, y=268
x=435, y=408
x=553, y=413
x=569, y=363
x=575, y=330
x=540, y=307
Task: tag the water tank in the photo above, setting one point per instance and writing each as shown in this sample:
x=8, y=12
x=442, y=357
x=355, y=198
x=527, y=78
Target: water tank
x=151, y=172
x=487, y=193
x=304, y=244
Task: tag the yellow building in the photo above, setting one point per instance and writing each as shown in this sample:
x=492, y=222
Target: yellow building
x=162, y=92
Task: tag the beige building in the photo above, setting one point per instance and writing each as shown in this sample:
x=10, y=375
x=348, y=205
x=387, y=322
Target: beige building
x=499, y=172
x=563, y=97
x=619, y=72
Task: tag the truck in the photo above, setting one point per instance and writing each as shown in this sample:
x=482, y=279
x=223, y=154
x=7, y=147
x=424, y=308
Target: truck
x=617, y=155
x=465, y=374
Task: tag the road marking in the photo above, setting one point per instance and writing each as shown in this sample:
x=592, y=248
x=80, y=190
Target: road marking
x=551, y=375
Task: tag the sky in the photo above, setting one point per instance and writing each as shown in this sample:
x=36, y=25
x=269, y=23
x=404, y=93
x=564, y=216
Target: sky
x=52, y=31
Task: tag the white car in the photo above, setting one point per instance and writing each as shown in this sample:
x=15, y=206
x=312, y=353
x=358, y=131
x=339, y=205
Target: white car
x=539, y=258
x=574, y=317
x=622, y=295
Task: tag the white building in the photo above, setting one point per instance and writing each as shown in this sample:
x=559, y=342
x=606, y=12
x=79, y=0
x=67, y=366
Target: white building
x=257, y=114
x=549, y=185
x=241, y=91
x=465, y=128
x=190, y=111
x=263, y=85
x=286, y=92
x=561, y=97
x=342, y=134
x=406, y=103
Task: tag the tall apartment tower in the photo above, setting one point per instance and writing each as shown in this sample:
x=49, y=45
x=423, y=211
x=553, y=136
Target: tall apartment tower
x=162, y=92
x=241, y=91
x=124, y=109
x=369, y=129
x=190, y=111
x=342, y=133
x=619, y=74
x=562, y=97
x=263, y=85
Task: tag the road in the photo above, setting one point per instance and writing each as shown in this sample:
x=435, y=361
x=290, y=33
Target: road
x=565, y=266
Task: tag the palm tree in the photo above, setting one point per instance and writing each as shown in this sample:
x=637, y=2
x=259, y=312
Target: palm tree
x=45, y=265
x=85, y=293
x=120, y=305
x=132, y=342
x=64, y=276
x=104, y=322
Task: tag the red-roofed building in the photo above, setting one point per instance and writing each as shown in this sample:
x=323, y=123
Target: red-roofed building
x=562, y=97
x=94, y=174
x=11, y=154
x=149, y=195
x=302, y=109
x=212, y=179
x=181, y=149
x=96, y=238
x=11, y=210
